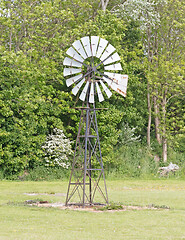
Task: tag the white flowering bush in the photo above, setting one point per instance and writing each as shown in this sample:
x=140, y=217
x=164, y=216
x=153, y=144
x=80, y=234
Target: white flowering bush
x=127, y=135
x=57, y=149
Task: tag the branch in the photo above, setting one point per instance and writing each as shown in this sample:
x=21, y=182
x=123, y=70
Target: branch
x=177, y=94
x=117, y=5
x=104, y=4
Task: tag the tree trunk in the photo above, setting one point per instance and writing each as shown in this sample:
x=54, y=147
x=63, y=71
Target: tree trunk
x=157, y=122
x=165, y=157
x=149, y=115
x=164, y=141
x=148, y=87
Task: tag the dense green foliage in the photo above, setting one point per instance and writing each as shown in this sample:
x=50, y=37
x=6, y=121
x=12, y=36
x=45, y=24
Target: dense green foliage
x=34, y=99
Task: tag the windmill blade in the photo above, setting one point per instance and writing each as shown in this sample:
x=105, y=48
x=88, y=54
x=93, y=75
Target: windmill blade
x=70, y=71
x=100, y=95
x=84, y=92
x=72, y=63
x=107, y=91
x=116, y=66
x=78, y=86
x=118, y=83
x=91, y=97
x=113, y=58
x=72, y=80
x=124, y=80
x=94, y=44
x=78, y=46
x=86, y=44
x=110, y=49
x=122, y=90
x=112, y=84
x=108, y=81
x=102, y=45
x=72, y=53
x=118, y=78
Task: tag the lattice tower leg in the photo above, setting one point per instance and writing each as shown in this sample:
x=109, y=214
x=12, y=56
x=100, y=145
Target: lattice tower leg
x=87, y=169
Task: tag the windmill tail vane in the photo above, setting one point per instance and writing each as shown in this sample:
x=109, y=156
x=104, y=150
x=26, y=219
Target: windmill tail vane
x=92, y=67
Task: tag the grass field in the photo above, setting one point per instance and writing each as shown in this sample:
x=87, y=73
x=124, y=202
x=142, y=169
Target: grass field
x=18, y=221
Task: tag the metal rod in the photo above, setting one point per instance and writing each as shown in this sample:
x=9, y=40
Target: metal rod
x=67, y=197
x=101, y=157
x=86, y=139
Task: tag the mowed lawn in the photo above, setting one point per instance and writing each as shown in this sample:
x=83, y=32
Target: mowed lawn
x=18, y=221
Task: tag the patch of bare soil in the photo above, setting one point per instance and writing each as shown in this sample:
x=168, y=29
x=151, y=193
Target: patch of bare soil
x=93, y=208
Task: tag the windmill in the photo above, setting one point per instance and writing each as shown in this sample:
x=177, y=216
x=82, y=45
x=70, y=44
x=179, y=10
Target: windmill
x=90, y=68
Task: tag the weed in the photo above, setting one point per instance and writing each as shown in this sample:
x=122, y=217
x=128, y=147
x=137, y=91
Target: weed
x=111, y=206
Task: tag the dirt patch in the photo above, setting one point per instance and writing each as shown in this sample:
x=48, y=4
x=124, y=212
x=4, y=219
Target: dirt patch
x=94, y=208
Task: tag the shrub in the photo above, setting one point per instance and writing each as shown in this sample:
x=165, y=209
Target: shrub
x=57, y=149
x=132, y=161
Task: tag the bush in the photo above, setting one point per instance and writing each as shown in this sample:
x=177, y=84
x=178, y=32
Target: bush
x=57, y=149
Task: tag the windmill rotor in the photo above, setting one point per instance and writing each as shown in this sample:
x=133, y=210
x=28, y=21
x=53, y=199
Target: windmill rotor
x=91, y=67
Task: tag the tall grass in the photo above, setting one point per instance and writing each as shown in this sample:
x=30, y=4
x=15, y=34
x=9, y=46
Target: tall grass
x=137, y=161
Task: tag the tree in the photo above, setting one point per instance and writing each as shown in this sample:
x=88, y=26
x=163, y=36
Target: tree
x=167, y=68
x=162, y=27
x=32, y=102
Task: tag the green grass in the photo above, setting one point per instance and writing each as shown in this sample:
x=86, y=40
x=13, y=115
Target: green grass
x=18, y=221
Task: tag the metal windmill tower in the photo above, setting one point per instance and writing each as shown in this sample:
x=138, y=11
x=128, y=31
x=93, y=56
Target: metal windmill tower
x=92, y=63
